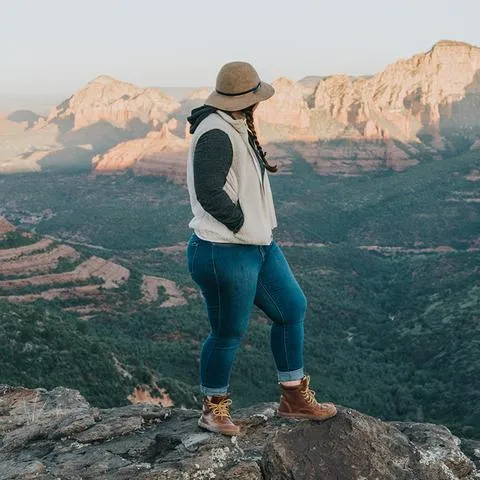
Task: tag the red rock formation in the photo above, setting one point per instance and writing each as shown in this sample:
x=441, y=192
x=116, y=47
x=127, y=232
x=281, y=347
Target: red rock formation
x=159, y=153
x=411, y=102
x=118, y=103
x=286, y=113
x=355, y=156
x=143, y=394
x=410, y=98
x=406, y=97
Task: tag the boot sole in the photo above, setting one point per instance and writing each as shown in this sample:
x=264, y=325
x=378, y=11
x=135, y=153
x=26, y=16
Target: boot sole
x=305, y=416
x=210, y=428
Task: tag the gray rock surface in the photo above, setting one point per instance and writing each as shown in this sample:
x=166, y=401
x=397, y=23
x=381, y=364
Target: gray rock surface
x=57, y=435
x=472, y=449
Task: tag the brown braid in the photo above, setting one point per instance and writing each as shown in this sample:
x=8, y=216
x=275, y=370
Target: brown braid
x=248, y=112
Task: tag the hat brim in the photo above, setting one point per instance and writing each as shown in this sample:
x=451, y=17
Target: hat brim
x=239, y=102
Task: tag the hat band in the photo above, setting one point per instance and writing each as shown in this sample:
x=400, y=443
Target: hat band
x=241, y=93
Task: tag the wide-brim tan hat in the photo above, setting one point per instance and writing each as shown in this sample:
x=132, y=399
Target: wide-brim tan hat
x=238, y=86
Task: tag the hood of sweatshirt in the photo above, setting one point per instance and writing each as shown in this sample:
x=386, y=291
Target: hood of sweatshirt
x=200, y=113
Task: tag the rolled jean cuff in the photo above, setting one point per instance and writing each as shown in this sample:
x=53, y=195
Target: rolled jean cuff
x=213, y=391
x=292, y=375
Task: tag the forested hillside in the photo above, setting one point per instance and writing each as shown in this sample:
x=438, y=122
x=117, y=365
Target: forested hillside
x=388, y=261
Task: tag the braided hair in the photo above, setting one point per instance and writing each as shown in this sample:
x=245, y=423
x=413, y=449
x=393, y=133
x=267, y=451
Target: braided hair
x=248, y=112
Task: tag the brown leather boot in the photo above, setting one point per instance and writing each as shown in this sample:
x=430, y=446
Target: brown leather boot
x=299, y=402
x=216, y=416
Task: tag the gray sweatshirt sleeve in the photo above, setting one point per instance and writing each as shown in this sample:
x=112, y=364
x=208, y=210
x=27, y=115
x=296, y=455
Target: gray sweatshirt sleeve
x=212, y=160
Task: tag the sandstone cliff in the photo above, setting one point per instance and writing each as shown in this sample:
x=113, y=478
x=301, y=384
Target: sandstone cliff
x=410, y=97
x=116, y=102
x=422, y=107
x=159, y=153
x=415, y=107
x=57, y=434
x=100, y=115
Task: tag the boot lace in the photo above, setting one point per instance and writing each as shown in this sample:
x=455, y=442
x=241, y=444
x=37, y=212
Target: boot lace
x=220, y=409
x=308, y=393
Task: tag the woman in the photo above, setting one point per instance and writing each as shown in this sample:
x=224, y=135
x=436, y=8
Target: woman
x=231, y=254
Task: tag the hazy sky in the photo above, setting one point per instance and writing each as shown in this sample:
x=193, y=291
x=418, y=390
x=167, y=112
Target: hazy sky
x=51, y=46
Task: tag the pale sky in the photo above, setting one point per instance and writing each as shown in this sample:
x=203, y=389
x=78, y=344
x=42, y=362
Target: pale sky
x=51, y=46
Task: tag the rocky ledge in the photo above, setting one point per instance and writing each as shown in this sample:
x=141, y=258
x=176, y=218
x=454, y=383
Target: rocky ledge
x=57, y=435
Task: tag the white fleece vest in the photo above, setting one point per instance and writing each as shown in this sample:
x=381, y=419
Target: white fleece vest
x=243, y=184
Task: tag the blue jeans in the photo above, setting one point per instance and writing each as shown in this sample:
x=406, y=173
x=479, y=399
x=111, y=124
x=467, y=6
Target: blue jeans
x=232, y=278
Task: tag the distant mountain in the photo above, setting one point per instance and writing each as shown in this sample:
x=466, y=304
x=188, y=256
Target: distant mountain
x=422, y=107
x=121, y=104
x=424, y=95
x=159, y=153
x=99, y=116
